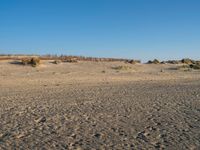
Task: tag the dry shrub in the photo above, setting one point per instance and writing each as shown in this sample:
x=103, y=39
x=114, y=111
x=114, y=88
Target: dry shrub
x=192, y=64
x=31, y=61
x=195, y=66
x=183, y=61
x=189, y=67
x=184, y=68
x=70, y=60
x=35, y=61
x=198, y=62
x=187, y=61
x=133, y=61
x=25, y=61
x=56, y=61
x=122, y=68
x=172, y=62
x=155, y=61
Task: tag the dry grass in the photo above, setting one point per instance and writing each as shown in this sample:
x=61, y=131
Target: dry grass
x=25, y=61
x=189, y=67
x=155, y=61
x=133, y=61
x=195, y=66
x=172, y=62
x=122, y=68
x=184, y=68
x=34, y=62
x=57, y=62
x=70, y=60
x=188, y=61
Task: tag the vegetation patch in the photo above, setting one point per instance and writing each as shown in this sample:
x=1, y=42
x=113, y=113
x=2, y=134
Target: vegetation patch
x=70, y=60
x=34, y=62
x=155, y=61
x=56, y=61
x=133, y=61
x=184, y=68
x=189, y=67
x=195, y=66
x=188, y=61
x=122, y=68
x=171, y=62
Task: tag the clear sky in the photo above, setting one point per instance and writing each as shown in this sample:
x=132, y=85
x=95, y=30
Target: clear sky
x=140, y=29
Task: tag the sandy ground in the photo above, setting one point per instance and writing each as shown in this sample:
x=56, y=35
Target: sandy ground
x=91, y=105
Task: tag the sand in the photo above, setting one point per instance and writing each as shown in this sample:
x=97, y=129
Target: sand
x=93, y=105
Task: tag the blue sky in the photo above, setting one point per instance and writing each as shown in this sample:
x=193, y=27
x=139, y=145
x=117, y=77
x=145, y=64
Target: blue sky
x=140, y=29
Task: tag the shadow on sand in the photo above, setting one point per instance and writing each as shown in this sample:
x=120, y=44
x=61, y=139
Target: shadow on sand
x=16, y=62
